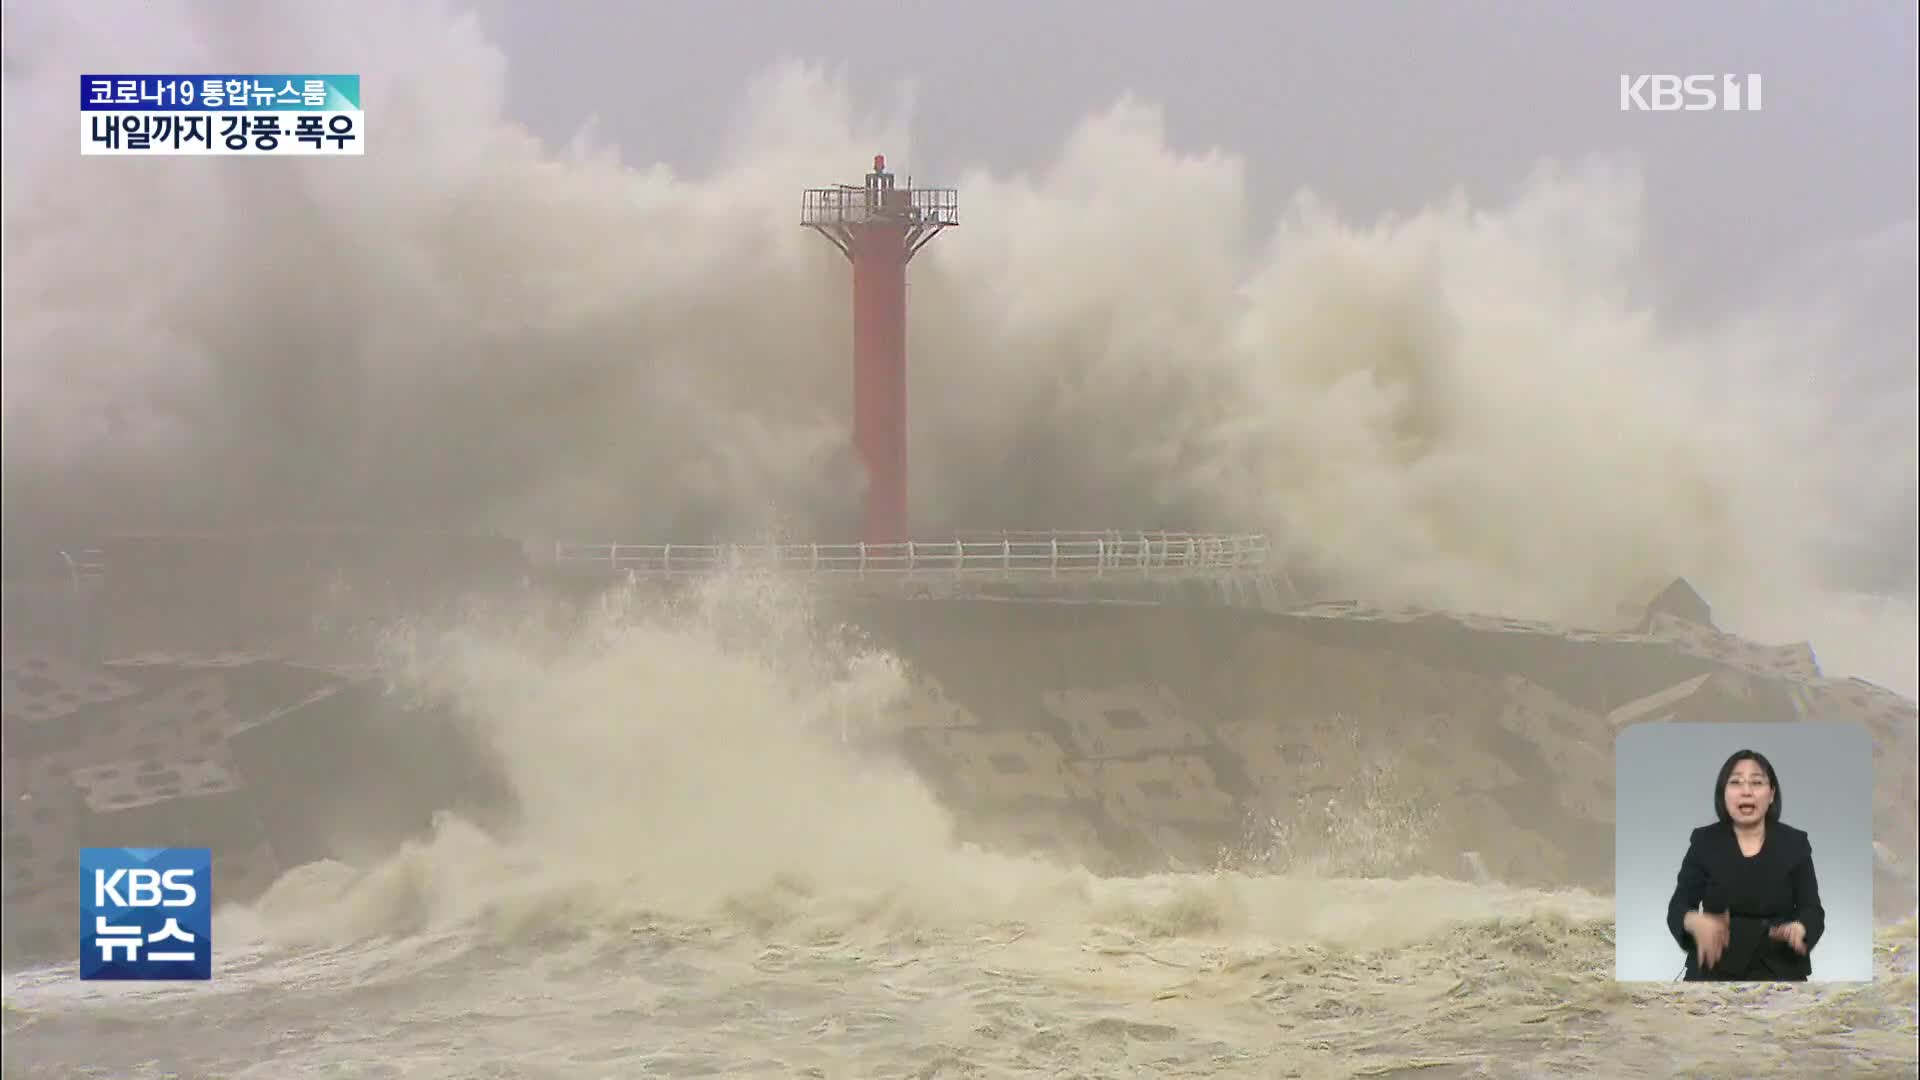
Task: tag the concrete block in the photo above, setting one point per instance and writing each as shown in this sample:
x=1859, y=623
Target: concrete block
x=171, y=720
x=926, y=705
x=1065, y=835
x=40, y=838
x=187, y=661
x=1507, y=849
x=134, y=783
x=1164, y=789
x=37, y=689
x=188, y=803
x=42, y=928
x=996, y=767
x=1125, y=721
x=1716, y=696
x=290, y=709
x=1771, y=661
x=1286, y=675
x=1576, y=745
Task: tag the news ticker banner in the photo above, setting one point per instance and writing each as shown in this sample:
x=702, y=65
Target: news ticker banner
x=223, y=115
x=146, y=914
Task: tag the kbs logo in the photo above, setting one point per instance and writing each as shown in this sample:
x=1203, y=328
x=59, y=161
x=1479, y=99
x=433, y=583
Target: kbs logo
x=1689, y=93
x=146, y=913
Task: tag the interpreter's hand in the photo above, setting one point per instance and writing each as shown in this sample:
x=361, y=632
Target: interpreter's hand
x=1709, y=936
x=1793, y=933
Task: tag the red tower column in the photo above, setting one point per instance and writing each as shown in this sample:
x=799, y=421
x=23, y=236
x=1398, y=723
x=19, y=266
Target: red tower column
x=879, y=228
x=880, y=377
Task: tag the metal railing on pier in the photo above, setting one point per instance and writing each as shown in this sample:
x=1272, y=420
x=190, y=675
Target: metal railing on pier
x=1010, y=556
x=85, y=566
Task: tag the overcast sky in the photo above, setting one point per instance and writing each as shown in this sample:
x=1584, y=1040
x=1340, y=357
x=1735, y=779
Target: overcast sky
x=1378, y=104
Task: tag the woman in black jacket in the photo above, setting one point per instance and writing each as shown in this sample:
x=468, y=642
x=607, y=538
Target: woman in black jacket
x=1747, y=903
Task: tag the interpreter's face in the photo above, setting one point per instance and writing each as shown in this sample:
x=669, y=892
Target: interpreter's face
x=1748, y=793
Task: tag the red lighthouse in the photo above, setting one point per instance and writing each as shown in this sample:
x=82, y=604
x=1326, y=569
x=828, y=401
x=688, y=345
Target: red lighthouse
x=879, y=228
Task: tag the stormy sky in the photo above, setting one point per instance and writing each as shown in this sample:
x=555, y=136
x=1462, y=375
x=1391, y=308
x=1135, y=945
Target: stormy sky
x=1397, y=283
